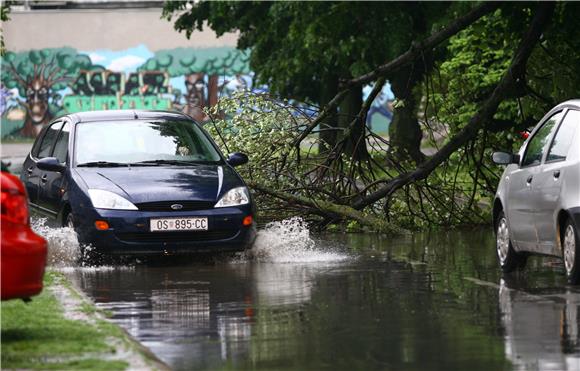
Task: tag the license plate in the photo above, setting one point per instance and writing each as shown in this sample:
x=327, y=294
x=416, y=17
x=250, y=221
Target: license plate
x=178, y=224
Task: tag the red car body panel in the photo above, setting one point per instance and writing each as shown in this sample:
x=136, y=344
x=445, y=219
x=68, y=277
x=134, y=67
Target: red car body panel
x=22, y=252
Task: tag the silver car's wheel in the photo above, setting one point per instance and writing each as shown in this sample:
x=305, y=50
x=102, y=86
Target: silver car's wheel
x=570, y=241
x=509, y=259
x=569, y=248
x=503, y=240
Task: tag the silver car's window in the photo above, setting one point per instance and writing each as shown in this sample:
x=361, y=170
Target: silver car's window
x=136, y=141
x=61, y=147
x=563, y=139
x=48, y=140
x=539, y=143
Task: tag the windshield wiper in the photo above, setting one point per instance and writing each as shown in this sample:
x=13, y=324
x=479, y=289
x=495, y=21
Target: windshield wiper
x=103, y=164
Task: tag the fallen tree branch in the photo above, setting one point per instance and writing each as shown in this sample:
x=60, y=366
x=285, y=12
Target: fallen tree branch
x=513, y=77
x=331, y=210
x=415, y=52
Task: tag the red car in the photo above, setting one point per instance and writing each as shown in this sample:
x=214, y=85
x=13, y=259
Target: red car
x=23, y=252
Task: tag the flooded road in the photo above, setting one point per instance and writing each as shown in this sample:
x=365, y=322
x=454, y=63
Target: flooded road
x=351, y=302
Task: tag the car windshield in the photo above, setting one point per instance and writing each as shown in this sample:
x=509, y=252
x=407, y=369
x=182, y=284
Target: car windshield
x=108, y=143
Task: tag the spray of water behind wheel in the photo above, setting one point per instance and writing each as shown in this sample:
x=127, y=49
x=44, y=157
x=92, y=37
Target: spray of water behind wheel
x=282, y=242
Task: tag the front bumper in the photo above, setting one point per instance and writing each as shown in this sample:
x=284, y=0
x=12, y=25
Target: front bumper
x=129, y=232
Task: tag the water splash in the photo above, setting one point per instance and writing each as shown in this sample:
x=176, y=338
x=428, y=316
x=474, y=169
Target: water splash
x=286, y=241
x=63, y=245
x=289, y=241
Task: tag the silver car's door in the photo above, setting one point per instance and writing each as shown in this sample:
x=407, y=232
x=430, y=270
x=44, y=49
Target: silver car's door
x=548, y=186
x=522, y=206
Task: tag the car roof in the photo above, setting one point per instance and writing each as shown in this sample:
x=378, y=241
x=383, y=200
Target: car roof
x=569, y=103
x=127, y=114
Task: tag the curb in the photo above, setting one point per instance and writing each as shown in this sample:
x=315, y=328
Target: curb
x=132, y=351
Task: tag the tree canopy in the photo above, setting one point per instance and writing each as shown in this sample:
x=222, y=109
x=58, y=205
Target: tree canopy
x=467, y=77
x=57, y=66
x=297, y=45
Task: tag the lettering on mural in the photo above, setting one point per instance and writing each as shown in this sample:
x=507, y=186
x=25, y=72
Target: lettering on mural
x=38, y=85
x=104, y=90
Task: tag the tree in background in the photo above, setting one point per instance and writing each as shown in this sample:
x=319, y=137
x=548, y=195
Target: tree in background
x=492, y=68
x=38, y=74
x=4, y=17
x=303, y=50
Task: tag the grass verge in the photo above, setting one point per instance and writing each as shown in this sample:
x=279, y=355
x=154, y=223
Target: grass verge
x=37, y=335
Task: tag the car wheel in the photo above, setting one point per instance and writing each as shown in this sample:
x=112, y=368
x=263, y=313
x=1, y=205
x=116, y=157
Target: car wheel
x=570, y=243
x=509, y=259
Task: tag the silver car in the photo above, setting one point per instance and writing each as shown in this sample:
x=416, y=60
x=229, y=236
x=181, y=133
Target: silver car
x=537, y=204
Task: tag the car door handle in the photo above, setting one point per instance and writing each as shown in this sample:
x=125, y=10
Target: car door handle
x=556, y=174
x=44, y=178
x=529, y=180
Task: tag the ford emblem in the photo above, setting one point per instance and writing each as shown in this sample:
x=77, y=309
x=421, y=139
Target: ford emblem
x=177, y=206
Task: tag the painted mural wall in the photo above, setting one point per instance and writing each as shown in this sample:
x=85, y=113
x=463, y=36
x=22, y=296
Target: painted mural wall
x=38, y=85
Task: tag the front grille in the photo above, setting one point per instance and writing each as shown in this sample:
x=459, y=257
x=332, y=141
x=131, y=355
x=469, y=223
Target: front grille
x=166, y=205
x=199, y=236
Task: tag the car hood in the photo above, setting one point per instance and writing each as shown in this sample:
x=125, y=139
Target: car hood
x=155, y=183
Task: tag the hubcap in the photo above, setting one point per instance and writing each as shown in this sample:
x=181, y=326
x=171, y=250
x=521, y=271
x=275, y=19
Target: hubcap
x=503, y=240
x=569, y=249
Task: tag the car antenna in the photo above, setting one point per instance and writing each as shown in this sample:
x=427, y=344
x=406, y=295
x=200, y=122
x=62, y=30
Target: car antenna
x=135, y=115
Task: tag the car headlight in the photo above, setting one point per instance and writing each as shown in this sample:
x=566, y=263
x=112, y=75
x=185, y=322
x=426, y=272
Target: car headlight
x=108, y=200
x=234, y=197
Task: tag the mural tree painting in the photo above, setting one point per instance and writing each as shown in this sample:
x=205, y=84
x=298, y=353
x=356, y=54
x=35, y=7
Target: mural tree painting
x=37, y=74
x=195, y=65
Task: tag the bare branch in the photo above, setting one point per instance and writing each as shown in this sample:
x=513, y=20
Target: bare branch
x=514, y=76
x=17, y=75
x=416, y=51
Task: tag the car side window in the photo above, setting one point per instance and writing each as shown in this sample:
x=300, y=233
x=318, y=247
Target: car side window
x=61, y=147
x=539, y=143
x=563, y=139
x=48, y=140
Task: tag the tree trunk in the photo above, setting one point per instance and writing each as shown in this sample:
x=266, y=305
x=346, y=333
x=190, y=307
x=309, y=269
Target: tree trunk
x=28, y=130
x=212, y=90
x=330, y=123
x=404, y=132
x=355, y=145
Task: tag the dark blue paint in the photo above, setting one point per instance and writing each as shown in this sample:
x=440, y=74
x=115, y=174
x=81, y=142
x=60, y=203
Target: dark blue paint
x=58, y=193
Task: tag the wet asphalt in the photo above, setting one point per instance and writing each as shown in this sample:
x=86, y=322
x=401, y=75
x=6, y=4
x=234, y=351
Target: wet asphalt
x=432, y=301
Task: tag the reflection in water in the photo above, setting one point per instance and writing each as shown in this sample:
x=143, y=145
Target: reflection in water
x=182, y=308
x=541, y=331
x=405, y=304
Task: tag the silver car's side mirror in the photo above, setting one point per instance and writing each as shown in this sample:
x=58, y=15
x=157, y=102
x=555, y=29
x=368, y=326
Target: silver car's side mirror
x=504, y=158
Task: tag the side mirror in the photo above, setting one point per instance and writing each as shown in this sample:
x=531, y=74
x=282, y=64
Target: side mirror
x=50, y=164
x=237, y=158
x=504, y=158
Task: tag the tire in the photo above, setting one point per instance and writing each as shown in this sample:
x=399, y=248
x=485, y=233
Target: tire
x=509, y=260
x=570, y=245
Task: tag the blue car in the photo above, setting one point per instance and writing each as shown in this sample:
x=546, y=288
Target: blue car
x=140, y=182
